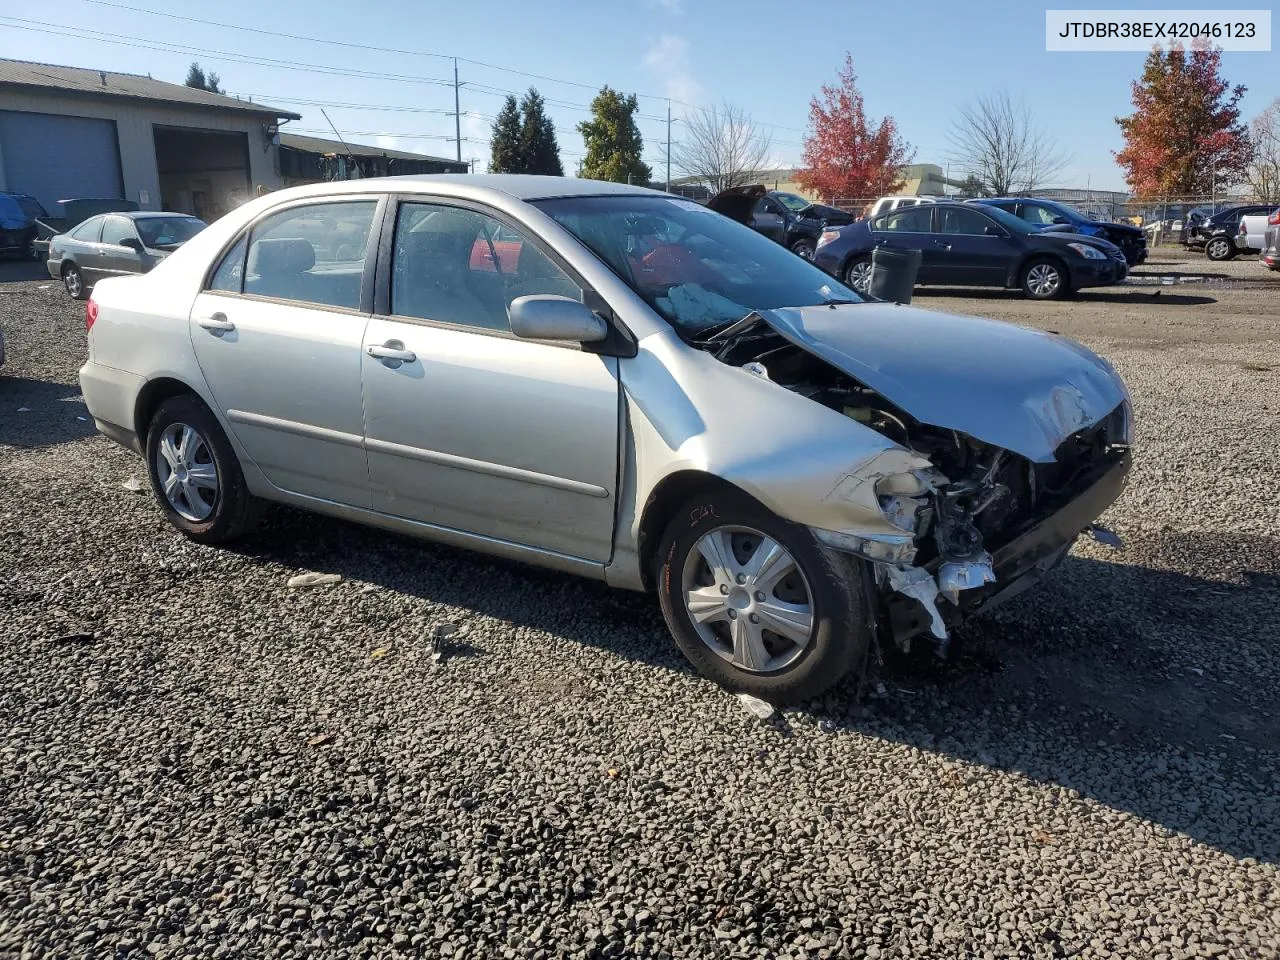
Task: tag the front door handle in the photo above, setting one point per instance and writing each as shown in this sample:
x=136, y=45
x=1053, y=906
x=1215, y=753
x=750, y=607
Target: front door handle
x=217, y=323
x=392, y=353
x=943, y=244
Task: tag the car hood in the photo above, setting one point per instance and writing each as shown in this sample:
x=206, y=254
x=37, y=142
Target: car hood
x=1065, y=235
x=1024, y=390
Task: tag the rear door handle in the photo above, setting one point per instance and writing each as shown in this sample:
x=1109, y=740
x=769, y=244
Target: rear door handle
x=217, y=323
x=943, y=244
x=392, y=353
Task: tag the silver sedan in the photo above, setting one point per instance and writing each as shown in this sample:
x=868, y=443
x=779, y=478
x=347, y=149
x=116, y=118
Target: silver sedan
x=615, y=383
x=112, y=244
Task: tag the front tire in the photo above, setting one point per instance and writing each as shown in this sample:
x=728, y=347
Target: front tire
x=1044, y=279
x=1220, y=248
x=195, y=474
x=756, y=603
x=73, y=280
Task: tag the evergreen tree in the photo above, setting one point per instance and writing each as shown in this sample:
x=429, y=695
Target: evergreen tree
x=538, y=144
x=505, y=153
x=196, y=78
x=613, y=140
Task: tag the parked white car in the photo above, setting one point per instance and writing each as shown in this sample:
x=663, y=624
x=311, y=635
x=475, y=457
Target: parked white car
x=1251, y=235
x=886, y=204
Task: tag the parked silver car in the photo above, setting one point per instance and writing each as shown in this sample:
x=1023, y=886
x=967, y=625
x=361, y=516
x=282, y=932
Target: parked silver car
x=616, y=383
x=116, y=243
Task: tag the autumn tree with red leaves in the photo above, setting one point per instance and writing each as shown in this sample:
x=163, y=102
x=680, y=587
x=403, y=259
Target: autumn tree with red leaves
x=1185, y=126
x=845, y=154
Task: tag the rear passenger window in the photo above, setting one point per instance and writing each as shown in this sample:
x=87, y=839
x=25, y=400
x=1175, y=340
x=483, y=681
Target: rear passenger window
x=460, y=266
x=88, y=231
x=229, y=277
x=311, y=254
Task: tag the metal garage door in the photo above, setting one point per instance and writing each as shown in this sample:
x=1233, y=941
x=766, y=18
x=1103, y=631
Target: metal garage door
x=57, y=158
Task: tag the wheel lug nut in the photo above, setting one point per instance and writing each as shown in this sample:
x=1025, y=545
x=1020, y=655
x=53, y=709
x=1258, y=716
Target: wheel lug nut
x=742, y=578
x=724, y=588
x=733, y=614
x=759, y=596
x=753, y=618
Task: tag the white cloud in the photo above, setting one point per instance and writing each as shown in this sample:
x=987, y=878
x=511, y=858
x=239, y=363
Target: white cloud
x=474, y=130
x=668, y=58
x=387, y=143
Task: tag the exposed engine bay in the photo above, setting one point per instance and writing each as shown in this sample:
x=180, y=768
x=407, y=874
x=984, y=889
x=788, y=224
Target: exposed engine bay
x=975, y=500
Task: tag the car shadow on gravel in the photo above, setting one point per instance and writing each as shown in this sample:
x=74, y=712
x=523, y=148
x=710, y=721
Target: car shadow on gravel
x=1158, y=296
x=584, y=611
x=41, y=413
x=1148, y=690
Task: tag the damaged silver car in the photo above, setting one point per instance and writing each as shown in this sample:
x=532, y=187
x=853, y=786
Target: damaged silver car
x=616, y=383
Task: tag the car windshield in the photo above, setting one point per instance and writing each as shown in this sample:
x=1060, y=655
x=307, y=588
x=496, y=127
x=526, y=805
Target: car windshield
x=31, y=207
x=167, y=231
x=699, y=269
x=1008, y=220
x=792, y=202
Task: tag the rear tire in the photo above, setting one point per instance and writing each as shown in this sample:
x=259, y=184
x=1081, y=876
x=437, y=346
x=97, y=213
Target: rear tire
x=1044, y=279
x=857, y=274
x=796, y=582
x=803, y=249
x=188, y=454
x=73, y=280
x=1219, y=249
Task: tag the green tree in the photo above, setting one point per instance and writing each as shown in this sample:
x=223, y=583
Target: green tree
x=613, y=140
x=505, y=153
x=538, y=143
x=196, y=78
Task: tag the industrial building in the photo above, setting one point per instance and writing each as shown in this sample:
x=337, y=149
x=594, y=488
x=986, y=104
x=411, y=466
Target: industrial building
x=69, y=132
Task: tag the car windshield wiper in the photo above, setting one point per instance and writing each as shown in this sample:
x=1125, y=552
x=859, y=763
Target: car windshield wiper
x=837, y=302
x=730, y=330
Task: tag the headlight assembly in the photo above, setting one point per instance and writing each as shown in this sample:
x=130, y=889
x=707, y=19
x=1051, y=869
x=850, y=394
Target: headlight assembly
x=1088, y=252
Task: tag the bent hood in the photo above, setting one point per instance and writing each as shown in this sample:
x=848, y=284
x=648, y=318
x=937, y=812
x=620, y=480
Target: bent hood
x=1020, y=389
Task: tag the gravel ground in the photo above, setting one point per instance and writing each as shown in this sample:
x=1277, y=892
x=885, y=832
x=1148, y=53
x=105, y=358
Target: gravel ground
x=197, y=761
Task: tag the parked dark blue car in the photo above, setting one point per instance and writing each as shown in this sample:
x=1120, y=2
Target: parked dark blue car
x=962, y=244
x=1051, y=215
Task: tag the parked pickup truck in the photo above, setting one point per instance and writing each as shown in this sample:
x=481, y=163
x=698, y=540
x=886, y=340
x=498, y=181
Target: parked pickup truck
x=74, y=213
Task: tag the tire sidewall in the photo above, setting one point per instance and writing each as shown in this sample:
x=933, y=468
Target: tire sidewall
x=803, y=245
x=66, y=274
x=840, y=636
x=190, y=410
x=847, y=279
x=1026, y=279
x=1219, y=243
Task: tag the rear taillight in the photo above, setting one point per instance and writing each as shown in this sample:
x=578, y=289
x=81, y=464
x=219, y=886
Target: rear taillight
x=1242, y=229
x=90, y=314
x=1274, y=219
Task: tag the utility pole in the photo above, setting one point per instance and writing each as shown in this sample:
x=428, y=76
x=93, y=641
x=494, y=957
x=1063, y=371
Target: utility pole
x=668, y=146
x=457, y=111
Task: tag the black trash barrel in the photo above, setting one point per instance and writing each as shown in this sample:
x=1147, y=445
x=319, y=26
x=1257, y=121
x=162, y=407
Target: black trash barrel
x=893, y=273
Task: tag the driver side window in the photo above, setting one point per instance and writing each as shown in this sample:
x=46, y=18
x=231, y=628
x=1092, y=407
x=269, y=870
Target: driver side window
x=1036, y=214
x=460, y=266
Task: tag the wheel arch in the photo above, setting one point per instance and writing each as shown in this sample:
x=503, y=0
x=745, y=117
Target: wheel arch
x=671, y=491
x=153, y=393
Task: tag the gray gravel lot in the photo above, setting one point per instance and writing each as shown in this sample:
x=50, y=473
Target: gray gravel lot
x=197, y=761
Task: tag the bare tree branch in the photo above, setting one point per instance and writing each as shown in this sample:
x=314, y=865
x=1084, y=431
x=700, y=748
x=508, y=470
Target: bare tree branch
x=996, y=138
x=721, y=146
x=1263, y=172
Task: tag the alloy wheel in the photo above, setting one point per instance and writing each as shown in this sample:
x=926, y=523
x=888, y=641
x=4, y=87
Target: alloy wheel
x=188, y=476
x=859, y=276
x=74, y=282
x=1217, y=249
x=1043, y=280
x=747, y=599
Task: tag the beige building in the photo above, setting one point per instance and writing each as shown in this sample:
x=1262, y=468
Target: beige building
x=67, y=133
x=922, y=179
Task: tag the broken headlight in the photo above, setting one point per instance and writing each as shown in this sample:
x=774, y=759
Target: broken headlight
x=904, y=498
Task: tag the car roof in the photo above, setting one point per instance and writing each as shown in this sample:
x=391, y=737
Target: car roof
x=518, y=185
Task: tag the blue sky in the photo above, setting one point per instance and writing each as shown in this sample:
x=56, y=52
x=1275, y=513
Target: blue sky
x=916, y=61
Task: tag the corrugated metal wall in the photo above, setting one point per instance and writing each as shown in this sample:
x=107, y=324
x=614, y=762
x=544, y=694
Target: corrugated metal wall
x=137, y=150
x=53, y=157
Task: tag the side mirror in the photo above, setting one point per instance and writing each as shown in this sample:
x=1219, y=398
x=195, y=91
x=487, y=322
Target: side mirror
x=133, y=243
x=549, y=317
x=994, y=231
